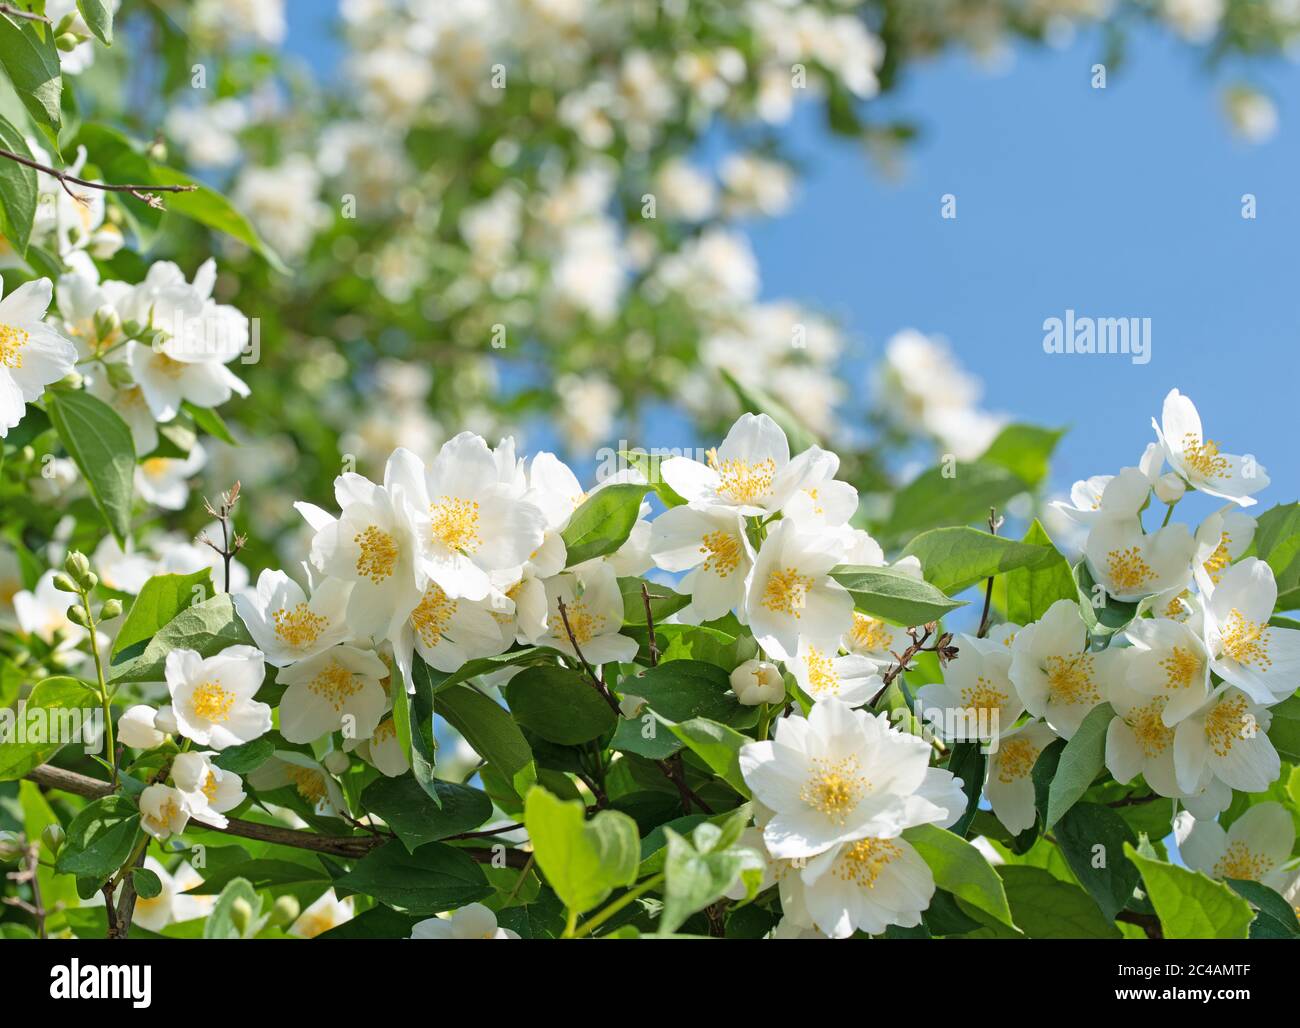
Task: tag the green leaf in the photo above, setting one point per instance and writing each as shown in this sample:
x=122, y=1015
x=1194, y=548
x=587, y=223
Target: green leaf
x=955, y=558
x=160, y=600
x=695, y=878
x=1024, y=450
x=100, y=839
x=648, y=464
x=603, y=522
x=967, y=763
x=416, y=818
x=960, y=497
x=681, y=690
x=33, y=423
x=99, y=441
x=491, y=732
x=1047, y=908
x=210, y=422
x=413, y=720
x=17, y=190
x=250, y=756
x=61, y=702
x=1190, y=905
x=961, y=869
x=434, y=878
x=1112, y=616
x=1277, y=541
x=147, y=884
x=261, y=874
x=664, y=601
x=758, y=401
x=893, y=595
x=31, y=61
x=207, y=627
x=1025, y=593
x=1276, y=918
x=718, y=746
x=98, y=16
x=1092, y=839
x=1284, y=730
x=1082, y=760
x=584, y=861
x=560, y=705
x=221, y=922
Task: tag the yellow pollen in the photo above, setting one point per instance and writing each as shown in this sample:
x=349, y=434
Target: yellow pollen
x=384, y=731
x=336, y=683
x=210, y=786
x=1246, y=641
x=1204, y=458
x=1127, y=569
x=835, y=788
x=1182, y=667
x=167, y=813
x=1239, y=861
x=1227, y=722
x=822, y=679
x=870, y=634
x=156, y=467
x=169, y=366
x=742, y=482
x=982, y=698
x=722, y=553
x=1069, y=679
x=310, y=784
x=1217, y=562
x=1153, y=735
x=585, y=625
x=786, y=592
x=861, y=862
x=378, y=554
x=211, y=702
x=298, y=627
x=455, y=523
x=433, y=615
x=1016, y=759
x=12, y=341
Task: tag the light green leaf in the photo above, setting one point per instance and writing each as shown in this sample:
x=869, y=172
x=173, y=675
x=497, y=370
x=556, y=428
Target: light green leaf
x=1044, y=907
x=98, y=16
x=63, y=703
x=1024, y=450
x=962, y=870
x=935, y=498
x=560, y=705
x=694, y=878
x=603, y=522
x=1081, y=761
x=955, y=558
x=1277, y=541
x=1190, y=905
x=17, y=190
x=1024, y=594
x=221, y=922
x=99, y=441
x=31, y=61
x=100, y=838
x=207, y=627
x=161, y=598
x=584, y=861
x=893, y=595
x=718, y=746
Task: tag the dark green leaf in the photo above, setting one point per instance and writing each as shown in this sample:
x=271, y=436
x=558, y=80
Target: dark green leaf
x=99, y=441
x=559, y=704
x=434, y=878
x=416, y=818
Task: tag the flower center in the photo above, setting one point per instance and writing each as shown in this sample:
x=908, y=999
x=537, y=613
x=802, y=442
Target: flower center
x=582, y=622
x=1204, y=458
x=870, y=634
x=211, y=702
x=434, y=613
x=1182, y=666
x=1069, y=679
x=169, y=366
x=1240, y=861
x=1016, y=759
x=167, y=812
x=834, y=788
x=1153, y=735
x=378, y=554
x=983, y=697
x=298, y=627
x=310, y=784
x=1127, y=569
x=1217, y=561
x=742, y=482
x=1246, y=641
x=1227, y=722
x=336, y=683
x=722, y=553
x=786, y=592
x=455, y=523
x=210, y=786
x=384, y=731
x=822, y=679
x=861, y=862
x=12, y=341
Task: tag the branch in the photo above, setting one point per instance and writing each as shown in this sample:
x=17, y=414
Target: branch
x=18, y=12
x=995, y=523
x=942, y=646
x=573, y=639
x=650, y=625
x=1147, y=922
x=144, y=193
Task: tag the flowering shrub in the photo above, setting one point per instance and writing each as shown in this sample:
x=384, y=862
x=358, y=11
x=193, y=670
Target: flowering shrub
x=758, y=690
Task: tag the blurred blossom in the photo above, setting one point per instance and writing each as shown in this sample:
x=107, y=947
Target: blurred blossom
x=282, y=202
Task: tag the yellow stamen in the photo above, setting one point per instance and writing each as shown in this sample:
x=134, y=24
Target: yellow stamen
x=1069, y=679
x=298, y=627
x=455, y=523
x=12, y=341
x=378, y=555
x=786, y=592
x=835, y=788
x=1182, y=668
x=861, y=862
x=1204, y=458
x=722, y=553
x=1016, y=759
x=742, y=482
x=336, y=683
x=1240, y=861
x=433, y=615
x=1246, y=641
x=1127, y=570
x=211, y=702
x=1227, y=722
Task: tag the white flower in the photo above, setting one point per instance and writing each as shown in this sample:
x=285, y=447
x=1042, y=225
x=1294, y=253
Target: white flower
x=136, y=728
x=757, y=681
x=976, y=700
x=473, y=921
x=866, y=885
x=593, y=607
x=309, y=779
x=875, y=639
x=821, y=674
x=1008, y=783
x=836, y=776
x=1255, y=848
x=43, y=612
x=123, y=570
x=1130, y=564
x=1106, y=497
x=163, y=811
x=1199, y=461
x=212, y=698
x=818, y=500
x=1226, y=739
x=710, y=544
x=1221, y=538
x=209, y=791
x=282, y=202
x=285, y=624
x=172, y=905
x=1139, y=739
x=750, y=472
x=32, y=354
x=1168, y=661
x=164, y=481
x=328, y=911
x=335, y=689
x=383, y=750
x=1246, y=651
x=789, y=592
x=448, y=632
x=1056, y=676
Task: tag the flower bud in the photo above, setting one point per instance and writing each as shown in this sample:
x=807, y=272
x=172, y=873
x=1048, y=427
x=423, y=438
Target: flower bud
x=77, y=615
x=241, y=915
x=285, y=912
x=67, y=42
x=336, y=762
x=54, y=836
x=111, y=609
x=107, y=322
x=165, y=720
x=138, y=728
x=11, y=846
x=631, y=706
x=119, y=375
x=65, y=24
x=78, y=566
x=758, y=681
x=1170, y=487
x=64, y=584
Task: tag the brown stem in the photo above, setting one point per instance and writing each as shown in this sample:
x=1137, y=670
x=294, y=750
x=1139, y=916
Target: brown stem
x=18, y=12
x=1147, y=922
x=601, y=687
x=143, y=193
x=650, y=626
x=995, y=523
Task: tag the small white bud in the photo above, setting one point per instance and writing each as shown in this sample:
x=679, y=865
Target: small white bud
x=757, y=681
x=1170, y=487
x=137, y=728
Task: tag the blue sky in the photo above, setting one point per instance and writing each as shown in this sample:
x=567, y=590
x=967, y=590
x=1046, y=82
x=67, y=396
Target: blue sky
x=1117, y=202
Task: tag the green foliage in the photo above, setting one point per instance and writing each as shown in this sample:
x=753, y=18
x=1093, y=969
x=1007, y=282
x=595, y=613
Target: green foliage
x=955, y=558
x=894, y=595
x=603, y=522
x=1081, y=761
x=100, y=838
x=428, y=880
x=560, y=705
x=100, y=443
x=584, y=861
x=208, y=627
x=1190, y=905
x=160, y=599
x=58, y=701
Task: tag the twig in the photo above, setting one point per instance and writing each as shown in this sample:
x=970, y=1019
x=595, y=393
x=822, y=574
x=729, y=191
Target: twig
x=1147, y=922
x=18, y=12
x=942, y=646
x=675, y=772
x=650, y=625
x=223, y=512
x=139, y=191
x=601, y=687
x=995, y=523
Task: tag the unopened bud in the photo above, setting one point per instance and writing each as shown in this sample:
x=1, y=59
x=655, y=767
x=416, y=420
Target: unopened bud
x=119, y=374
x=65, y=24
x=77, y=615
x=757, y=681
x=336, y=762
x=11, y=846
x=64, y=584
x=111, y=609
x=1169, y=488
x=107, y=322
x=285, y=912
x=54, y=836
x=77, y=565
x=241, y=915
